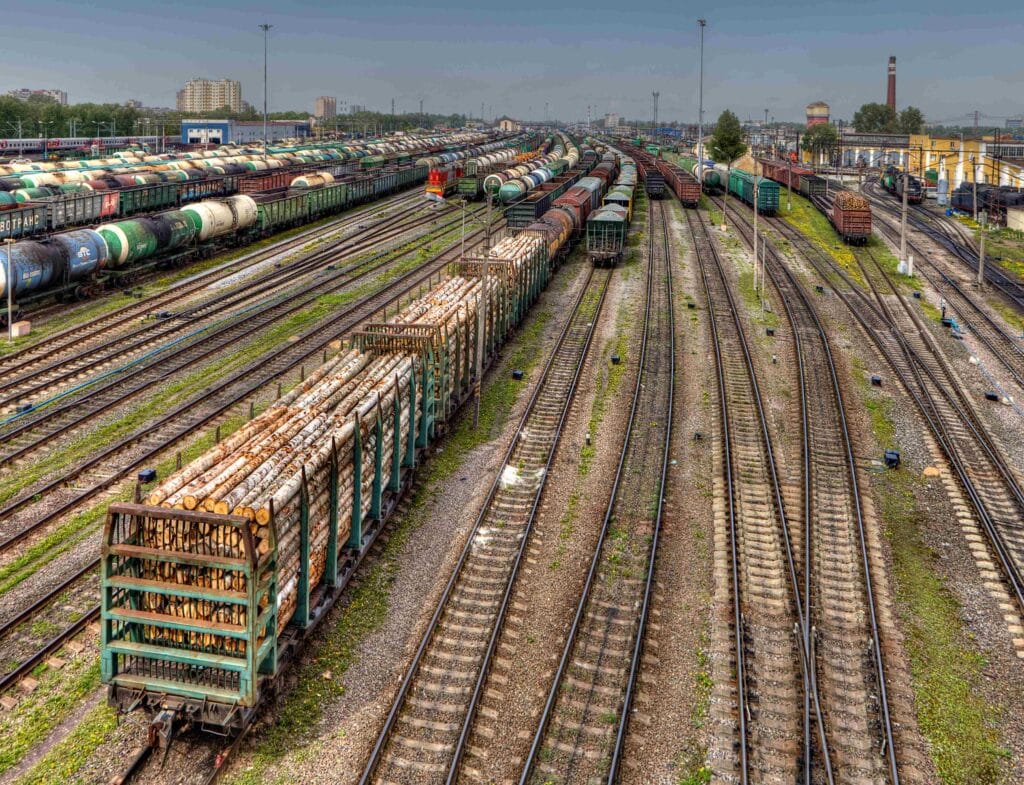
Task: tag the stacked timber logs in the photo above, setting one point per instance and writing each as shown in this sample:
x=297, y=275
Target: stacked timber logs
x=280, y=467
x=312, y=466
x=848, y=200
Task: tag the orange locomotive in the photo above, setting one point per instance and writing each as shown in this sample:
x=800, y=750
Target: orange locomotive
x=444, y=180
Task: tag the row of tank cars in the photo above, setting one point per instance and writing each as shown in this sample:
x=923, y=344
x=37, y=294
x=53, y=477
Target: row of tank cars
x=81, y=262
x=38, y=197
x=175, y=641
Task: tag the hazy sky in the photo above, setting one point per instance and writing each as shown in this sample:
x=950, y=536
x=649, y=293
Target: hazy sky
x=953, y=57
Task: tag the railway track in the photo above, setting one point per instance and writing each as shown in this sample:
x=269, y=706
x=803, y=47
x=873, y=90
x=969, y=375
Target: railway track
x=947, y=281
x=39, y=378
x=773, y=691
x=114, y=463
x=977, y=463
x=24, y=437
x=838, y=586
x=76, y=338
x=584, y=724
x=956, y=240
x=427, y=728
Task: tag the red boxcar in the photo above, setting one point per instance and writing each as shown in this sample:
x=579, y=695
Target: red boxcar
x=851, y=216
x=782, y=172
x=577, y=200
x=683, y=184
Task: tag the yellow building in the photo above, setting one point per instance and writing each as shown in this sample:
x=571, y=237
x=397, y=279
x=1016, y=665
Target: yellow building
x=954, y=159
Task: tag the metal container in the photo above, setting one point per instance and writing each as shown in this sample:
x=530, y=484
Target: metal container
x=128, y=241
x=219, y=217
x=32, y=194
x=34, y=265
x=312, y=180
x=173, y=229
x=85, y=251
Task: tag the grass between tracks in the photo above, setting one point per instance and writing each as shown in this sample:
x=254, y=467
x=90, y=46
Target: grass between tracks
x=179, y=391
x=76, y=747
x=320, y=675
x=59, y=692
x=946, y=664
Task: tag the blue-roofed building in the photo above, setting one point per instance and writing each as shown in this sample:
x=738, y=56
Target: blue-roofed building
x=240, y=131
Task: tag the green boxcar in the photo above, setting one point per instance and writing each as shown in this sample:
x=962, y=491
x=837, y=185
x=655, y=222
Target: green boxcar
x=385, y=183
x=360, y=190
x=741, y=184
x=286, y=211
x=606, y=235
x=412, y=176
x=149, y=197
x=372, y=162
x=330, y=199
x=471, y=187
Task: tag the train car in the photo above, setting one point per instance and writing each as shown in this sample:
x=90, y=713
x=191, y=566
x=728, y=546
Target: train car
x=993, y=200
x=606, y=232
x=139, y=242
x=444, y=181
x=784, y=172
x=850, y=214
x=811, y=186
x=684, y=185
x=893, y=181
x=741, y=185
x=202, y=609
x=711, y=180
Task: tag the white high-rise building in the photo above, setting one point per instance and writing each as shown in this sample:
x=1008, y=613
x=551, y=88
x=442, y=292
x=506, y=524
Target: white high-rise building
x=325, y=107
x=611, y=120
x=208, y=95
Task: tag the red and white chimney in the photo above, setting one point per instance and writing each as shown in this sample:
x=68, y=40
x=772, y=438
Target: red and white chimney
x=890, y=97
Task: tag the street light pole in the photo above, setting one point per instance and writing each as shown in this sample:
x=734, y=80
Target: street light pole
x=266, y=45
x=700, y=108
x=463, y=254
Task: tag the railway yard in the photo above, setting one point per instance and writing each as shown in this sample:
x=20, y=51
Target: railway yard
x=539, y=457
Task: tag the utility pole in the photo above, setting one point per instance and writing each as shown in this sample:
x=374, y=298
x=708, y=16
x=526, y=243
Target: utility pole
x=903, y=219
x=266, y=49
x=974, y=182
x=755, y=228
x=981, y=251
x=421, y=106
x=700, y=112
x=10, y=292
x=654, y=117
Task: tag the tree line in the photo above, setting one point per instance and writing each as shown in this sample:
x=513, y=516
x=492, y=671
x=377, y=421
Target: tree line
x=42, y=116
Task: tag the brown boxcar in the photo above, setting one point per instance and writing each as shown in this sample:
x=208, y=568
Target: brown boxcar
x=851, y=216
x=578, y=201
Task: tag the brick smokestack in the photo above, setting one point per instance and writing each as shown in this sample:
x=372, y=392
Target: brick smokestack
x=890, y=96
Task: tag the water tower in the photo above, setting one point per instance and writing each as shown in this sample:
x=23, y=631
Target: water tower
x=817, y=113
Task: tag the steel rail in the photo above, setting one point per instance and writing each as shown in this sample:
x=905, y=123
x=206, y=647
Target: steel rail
x=404, y=284
x=207, y=343
x=913, y=381
x=785, y=282
x=547, y=712
x=74, y=335
x=377, y=754
x=261, y=372
x=69, y=367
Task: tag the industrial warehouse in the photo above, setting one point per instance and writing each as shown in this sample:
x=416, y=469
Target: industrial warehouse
x=389, y=400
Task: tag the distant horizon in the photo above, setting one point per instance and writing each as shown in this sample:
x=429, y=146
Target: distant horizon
x=456, y=55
